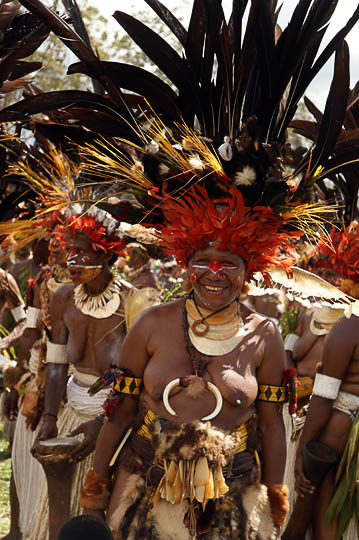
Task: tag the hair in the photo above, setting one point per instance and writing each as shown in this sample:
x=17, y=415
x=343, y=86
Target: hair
x=85, y=527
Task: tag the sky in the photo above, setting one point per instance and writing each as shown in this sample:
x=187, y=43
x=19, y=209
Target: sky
x=318, y=90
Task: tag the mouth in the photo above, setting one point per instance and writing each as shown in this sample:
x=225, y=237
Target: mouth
x=213, y=290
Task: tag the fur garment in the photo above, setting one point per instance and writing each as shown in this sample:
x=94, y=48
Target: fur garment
x=244, y=513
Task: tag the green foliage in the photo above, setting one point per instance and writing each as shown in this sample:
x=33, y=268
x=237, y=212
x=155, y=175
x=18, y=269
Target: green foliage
x=289, y=319
x=346, y=493
x=5, y=473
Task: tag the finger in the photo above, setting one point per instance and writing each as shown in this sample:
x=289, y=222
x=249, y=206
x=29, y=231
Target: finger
x=82, y=451
x=76, y=431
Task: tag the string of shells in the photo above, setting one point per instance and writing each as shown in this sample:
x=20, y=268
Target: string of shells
x=101, y=305
x=190, y=479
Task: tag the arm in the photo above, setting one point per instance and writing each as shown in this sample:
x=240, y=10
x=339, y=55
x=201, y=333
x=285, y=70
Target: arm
x=307, y=338
x=340, y=340
x=27, y=340
x=270, y=417
x=56, y=374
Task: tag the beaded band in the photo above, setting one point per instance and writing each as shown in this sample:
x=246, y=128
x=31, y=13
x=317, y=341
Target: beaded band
x=326, y=387
x=33, y=314
x=56, y=353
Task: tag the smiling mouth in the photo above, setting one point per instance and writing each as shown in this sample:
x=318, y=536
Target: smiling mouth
x=213, y=289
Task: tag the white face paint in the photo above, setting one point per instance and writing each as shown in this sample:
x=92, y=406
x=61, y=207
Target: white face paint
x=82, y=261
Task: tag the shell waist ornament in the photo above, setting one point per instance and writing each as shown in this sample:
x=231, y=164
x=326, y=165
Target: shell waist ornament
x=100, y=306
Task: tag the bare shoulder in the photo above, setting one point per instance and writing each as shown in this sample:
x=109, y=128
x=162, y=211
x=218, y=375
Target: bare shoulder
x=258, y=322
x=345, y=329
x=64, y=293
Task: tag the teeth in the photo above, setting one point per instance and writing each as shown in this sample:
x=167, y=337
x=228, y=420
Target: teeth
x=213, y=288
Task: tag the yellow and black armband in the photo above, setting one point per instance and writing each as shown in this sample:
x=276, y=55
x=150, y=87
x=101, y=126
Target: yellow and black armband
x=274, y=394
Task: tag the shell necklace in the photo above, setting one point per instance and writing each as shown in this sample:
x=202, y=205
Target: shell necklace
x=100, y=306
x=217, y=336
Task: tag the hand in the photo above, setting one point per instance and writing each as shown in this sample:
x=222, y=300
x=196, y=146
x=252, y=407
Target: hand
x=302, y=484
x=90, y=430
x=10, y=404
x=48, y=429
x=97, y=513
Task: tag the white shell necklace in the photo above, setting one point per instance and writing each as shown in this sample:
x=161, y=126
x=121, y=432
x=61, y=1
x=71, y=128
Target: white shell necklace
x=100, y=306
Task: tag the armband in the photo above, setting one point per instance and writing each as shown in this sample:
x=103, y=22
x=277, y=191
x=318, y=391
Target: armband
x=290, y=341
x=18, y=313
x=95, y=493
x=326, y=387
x=56, y=354
x=275, y=394
x=33, y=314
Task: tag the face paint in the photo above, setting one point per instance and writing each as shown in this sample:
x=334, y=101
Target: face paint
x=193, y=277
x=85, y=259
x=217, y=268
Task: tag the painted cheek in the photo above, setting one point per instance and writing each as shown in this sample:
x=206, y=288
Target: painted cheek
x=193, y=277
x=85, y=259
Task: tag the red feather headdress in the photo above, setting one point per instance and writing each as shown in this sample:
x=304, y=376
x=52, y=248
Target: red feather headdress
x=256, y=234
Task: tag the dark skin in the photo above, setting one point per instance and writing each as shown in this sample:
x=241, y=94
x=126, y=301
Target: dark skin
x=326, y=424
x=155, y=349
x=28, y=338
x=92, y=343
x=308, y=349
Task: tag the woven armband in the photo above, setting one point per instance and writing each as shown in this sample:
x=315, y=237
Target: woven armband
x=18, y=313
x=33, y=314
x=56, y=354
x=274, y=394
x=129, y=386
x=290, y=341
x=95, y=493
x=326, y=387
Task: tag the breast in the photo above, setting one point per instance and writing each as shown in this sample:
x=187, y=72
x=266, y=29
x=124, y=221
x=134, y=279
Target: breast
x=236, y=388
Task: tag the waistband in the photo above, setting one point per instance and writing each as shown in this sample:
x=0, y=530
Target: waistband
x=144, y=432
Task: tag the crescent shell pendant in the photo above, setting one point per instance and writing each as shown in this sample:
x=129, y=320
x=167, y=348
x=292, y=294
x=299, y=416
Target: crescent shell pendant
x=212, y=387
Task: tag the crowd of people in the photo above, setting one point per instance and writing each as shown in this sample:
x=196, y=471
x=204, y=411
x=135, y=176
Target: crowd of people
x=179, y=289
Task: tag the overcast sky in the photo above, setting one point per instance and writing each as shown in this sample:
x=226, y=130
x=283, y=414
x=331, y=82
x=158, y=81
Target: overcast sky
x=319, y=88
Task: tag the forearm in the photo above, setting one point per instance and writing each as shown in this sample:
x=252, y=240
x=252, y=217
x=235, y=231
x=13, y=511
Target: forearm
x=56, y=379
x=111, y=433
x=273, y=450
x=27, y=341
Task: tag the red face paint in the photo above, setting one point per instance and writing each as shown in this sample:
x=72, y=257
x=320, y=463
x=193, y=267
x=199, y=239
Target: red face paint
x=85, y=259
x=193, y=277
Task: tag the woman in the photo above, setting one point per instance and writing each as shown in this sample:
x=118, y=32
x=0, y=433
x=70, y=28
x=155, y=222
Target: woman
x=208, y=373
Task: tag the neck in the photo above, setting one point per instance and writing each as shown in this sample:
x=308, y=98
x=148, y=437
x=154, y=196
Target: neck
x=203, y=305
x=100, y=282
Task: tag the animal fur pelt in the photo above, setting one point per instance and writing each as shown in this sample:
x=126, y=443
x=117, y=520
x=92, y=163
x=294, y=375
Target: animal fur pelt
x=193, y=441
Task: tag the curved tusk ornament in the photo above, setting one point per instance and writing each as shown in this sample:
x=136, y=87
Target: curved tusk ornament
x=212, y=387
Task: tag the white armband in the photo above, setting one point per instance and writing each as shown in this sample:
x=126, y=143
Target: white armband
x=56, y=354
x=290, y=341
x=33, y=314
x=326, y=387
x=18, y=313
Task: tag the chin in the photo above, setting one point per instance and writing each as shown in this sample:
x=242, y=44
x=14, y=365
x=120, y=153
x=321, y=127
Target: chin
x=214, y=301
